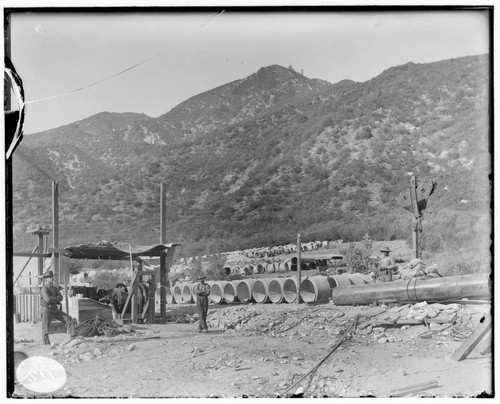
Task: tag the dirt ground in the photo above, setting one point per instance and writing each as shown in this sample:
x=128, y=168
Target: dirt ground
x=263, y=350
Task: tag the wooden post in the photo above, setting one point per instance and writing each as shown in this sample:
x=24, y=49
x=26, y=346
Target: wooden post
x=55, y=229
x=139, y=269
x=40, y=259
x=299, y=267
x=416, y=213
x=65, y=273
x=133, y=309
x=163, y=268
x=151, y=299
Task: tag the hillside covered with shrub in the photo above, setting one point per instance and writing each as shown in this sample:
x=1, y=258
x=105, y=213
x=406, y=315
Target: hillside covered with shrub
x=258, y=160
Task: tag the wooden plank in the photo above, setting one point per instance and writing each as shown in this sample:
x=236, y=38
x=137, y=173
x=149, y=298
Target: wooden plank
x=129, y=297
x=25, y=304
x=386, y=323
x=415, y=388
x=151, y=299
x=479, y=333
x=28, y=254
x=163, y=293
x=484, y=346
x=145, y=309
x=145, y=272
x=133, y=311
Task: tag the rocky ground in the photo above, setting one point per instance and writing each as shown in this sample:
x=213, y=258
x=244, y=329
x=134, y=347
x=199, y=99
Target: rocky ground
x=266, y=350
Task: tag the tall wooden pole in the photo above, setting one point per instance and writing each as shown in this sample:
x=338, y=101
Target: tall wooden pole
x=55, y=229
x=163, y=269
x=299, y=267
x=416, y=213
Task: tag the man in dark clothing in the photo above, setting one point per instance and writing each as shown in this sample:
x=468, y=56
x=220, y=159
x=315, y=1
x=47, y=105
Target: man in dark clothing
x=50, y=297
x=202, y=291
x=387, y=266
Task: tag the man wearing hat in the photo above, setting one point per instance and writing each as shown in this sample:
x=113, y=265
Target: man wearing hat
x=386, y=265
x=50, y=297
x=202, y=291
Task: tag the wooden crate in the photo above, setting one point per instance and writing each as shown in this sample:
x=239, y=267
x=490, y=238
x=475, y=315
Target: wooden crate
x=83, y=309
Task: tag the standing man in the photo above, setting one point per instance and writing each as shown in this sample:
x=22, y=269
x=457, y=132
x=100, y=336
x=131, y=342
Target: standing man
x=387, y=265
x=50, y=297
x=202, y=291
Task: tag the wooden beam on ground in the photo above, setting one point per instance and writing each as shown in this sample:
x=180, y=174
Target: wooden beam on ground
x=485, y=345
x=415, y=388
x=470, y=343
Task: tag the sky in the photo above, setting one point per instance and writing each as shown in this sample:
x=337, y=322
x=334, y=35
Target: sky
x=72, y=63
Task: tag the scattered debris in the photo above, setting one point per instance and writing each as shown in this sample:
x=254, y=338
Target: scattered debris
x=346, y=334
x=98, y=326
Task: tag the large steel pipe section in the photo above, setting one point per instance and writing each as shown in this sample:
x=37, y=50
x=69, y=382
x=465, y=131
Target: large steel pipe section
x=315, y=289
x=187, y=293
x=260, y=290
x=290, y=288
x=169, y=296
x=275, y=290
x=229, y=293
x=244, y=290
x=217, y=292
x=178, y=292
x=416, y=290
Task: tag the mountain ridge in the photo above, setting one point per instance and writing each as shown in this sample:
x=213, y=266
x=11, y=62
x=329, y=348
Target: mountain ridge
x=256, y=159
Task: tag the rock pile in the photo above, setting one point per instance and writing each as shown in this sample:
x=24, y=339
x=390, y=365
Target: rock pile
x=380, y=324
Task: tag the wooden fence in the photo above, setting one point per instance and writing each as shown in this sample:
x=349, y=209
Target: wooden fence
x=27, y=308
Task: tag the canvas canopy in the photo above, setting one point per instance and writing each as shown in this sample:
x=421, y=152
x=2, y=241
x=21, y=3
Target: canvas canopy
x=105, y=250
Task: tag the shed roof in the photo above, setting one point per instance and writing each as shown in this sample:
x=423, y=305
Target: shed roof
x=105, y=250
